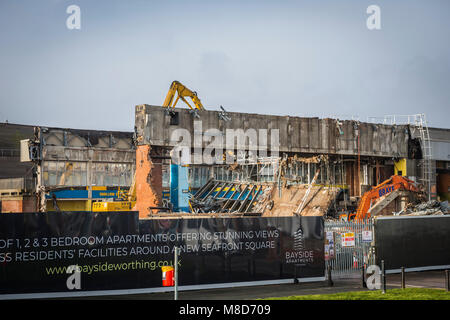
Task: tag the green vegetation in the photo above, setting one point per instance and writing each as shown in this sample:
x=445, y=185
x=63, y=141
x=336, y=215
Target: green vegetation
x=392, y=294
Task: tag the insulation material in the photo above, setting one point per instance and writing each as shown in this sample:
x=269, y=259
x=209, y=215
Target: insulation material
x=317, y=203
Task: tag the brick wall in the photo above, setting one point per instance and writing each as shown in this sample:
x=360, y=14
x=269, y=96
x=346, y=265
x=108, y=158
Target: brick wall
x=148, y=182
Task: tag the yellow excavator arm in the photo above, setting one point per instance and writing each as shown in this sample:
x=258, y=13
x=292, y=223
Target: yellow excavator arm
x=183, y=92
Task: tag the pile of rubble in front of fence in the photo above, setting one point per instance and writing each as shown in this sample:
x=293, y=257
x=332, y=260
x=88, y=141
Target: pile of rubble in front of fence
x=432, y=207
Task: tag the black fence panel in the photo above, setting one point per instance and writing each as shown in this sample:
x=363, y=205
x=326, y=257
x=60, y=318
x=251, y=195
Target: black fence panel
x=37, y=248
x=413, y=242
x=116, y=250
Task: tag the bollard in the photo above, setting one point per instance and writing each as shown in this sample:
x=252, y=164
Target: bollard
x=177, y=253
x=330, y=281
x=295, y=275
x=447, y=280
x=363, y=280
x=167, y=276
x=383, y=277
x=403, y=278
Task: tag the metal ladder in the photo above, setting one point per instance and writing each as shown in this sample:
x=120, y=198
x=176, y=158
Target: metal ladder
x=427, y=173
x=418, y=122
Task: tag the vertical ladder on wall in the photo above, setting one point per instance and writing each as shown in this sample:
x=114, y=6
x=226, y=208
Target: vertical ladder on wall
x=427, y=173
x=419, y=122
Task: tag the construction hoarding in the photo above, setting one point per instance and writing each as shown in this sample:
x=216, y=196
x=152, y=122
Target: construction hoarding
x=419, y=242
x=117, y=251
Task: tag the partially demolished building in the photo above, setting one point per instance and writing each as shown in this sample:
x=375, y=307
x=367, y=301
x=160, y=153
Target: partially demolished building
x=240, y=163
x=63, y=169
x=217, y=162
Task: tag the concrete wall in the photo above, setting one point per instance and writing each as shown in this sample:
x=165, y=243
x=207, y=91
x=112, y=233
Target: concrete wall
x=86, y=138
x=82, y=166
x=440, y=142
x=82, y=158
x=440, y=150
x=443, y=186
x=71, y=157
x=10, y=136
x=299, y=135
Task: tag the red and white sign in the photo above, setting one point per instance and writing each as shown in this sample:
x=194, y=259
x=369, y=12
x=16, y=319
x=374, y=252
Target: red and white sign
x=348, y=239
x=367, y=236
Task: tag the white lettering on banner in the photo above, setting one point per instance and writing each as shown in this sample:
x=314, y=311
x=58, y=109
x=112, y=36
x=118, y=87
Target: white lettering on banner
x=298, y=254
x=62, y=248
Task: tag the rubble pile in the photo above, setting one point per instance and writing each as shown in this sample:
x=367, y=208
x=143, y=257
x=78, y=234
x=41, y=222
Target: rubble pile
x=432, y=207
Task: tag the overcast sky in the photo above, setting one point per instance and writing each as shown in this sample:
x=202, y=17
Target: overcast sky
x=298, y=58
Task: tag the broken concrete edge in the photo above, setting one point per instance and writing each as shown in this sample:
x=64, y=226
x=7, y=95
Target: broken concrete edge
x=186, y=215
x=296, y=134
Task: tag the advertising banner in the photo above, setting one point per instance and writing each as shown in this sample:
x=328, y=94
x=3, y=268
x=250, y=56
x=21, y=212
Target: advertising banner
x=70, y=251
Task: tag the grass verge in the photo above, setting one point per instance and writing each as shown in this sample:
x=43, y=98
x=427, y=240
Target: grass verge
x=392, y=294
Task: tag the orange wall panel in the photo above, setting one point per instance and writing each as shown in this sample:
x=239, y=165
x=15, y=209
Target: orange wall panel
x=148, y=182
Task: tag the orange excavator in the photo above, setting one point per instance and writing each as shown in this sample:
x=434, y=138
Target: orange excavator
x=386, y=188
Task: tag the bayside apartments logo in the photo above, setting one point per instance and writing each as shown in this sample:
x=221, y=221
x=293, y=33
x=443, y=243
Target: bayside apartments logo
x=299, y=255
x=214, y=146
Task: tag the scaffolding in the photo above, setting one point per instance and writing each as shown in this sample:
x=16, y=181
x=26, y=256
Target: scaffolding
x=244, y=187
x=293, y=170
x=416, y=122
